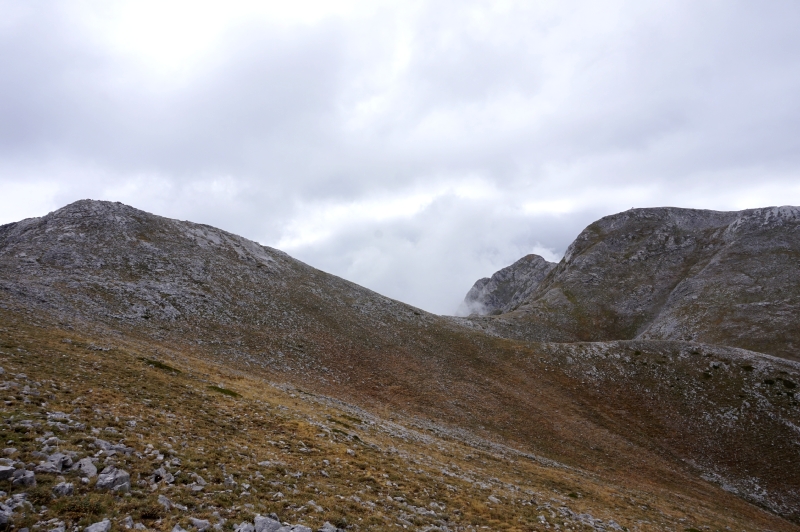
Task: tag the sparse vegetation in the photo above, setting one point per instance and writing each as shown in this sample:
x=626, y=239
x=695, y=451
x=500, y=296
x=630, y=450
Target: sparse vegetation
x=224, y=391
x=159, y=365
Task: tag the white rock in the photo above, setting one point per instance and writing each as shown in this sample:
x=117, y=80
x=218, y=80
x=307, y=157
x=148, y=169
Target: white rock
x=266, y=524
x=63, y=489
x=102, y=526
x=202, y=524
x=86, y=468
x=163, y=501
x=114, y=479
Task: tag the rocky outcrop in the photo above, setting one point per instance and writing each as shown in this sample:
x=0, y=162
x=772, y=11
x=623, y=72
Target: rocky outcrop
x=114, y=479
x=103, y=262
x=507, y=288
x=728, y=278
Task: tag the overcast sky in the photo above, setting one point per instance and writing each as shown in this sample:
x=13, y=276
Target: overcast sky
x=411, y=147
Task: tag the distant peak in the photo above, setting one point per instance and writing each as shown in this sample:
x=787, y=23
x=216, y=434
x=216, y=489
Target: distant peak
x=507, y=288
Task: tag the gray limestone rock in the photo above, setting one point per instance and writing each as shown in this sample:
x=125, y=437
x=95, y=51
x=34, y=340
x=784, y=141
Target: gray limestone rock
x=24, y=478
x=55, y=463
x=165, y=502
x=127, y=522
x=244, y=527
x=114, y=479
x=63, y=489
x=6, y=472
x=266, y=524
x=162, y=474
x=101, y=526
x=85, y=467
x=202, y=524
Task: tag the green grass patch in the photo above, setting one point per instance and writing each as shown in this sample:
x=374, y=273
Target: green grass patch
x=224, y=391
x=40, y=495
x=77, y=507
x=159, y=365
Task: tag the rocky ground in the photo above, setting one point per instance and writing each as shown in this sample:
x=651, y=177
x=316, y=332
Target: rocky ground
x=110, y=438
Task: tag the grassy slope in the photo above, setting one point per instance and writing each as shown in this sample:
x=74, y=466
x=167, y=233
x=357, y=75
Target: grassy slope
x=416, y=463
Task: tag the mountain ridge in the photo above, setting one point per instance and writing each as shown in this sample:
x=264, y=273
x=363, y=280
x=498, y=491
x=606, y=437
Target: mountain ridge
x=618, y=411
x=726, y=278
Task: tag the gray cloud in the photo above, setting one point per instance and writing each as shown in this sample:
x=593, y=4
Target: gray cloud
x=464, y=134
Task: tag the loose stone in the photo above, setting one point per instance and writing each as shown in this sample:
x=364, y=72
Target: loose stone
x=102, y=526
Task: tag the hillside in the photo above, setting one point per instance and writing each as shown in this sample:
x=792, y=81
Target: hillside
x=726, y=278
x=649, y=434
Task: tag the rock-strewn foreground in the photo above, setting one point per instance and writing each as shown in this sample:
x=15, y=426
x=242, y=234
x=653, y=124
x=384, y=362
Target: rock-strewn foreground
x=211, y=381
x=727, y=278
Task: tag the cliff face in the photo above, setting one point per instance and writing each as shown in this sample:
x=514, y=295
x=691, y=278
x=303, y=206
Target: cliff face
x=728, y=278
x=507, y=288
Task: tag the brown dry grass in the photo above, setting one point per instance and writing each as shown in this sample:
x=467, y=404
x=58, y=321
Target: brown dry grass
x=395, y=455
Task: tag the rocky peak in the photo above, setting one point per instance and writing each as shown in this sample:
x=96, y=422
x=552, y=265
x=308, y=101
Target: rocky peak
x=507, y=288
x=728, y=278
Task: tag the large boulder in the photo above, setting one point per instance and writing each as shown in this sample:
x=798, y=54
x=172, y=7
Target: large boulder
x=101, y=526
x=85, y=468
x=266, y=524
x=114, y=479
x=24, y=478
x=63, y=489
